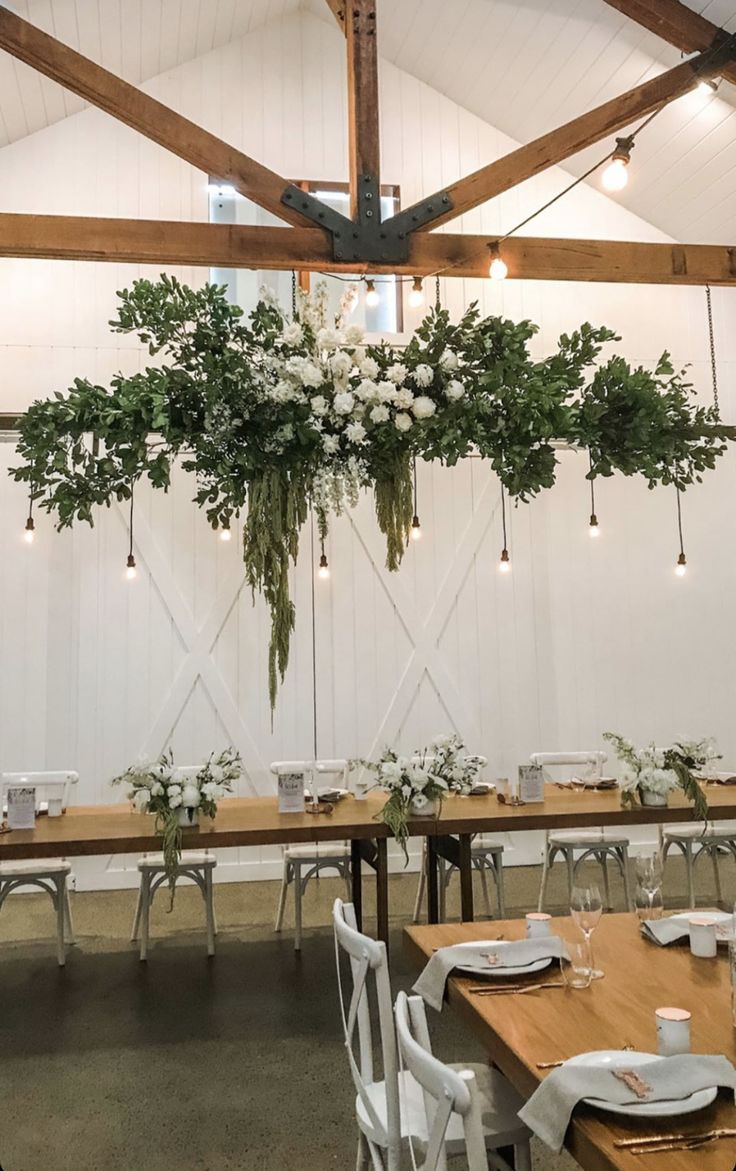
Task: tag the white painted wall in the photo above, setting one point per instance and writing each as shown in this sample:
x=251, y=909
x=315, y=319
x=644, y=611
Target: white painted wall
x=581, y=637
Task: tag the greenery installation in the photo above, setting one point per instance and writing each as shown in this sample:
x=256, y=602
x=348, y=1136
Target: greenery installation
x=274, y=416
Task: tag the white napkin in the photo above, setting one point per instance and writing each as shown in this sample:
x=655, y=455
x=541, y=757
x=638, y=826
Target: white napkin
x=664, y=931
x=431, y=983
x=548, y=1110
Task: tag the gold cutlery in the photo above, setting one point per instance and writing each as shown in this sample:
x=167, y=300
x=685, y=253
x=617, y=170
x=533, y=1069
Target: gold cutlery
x=670, y=1142
x=518, y=989
x=549, y=1064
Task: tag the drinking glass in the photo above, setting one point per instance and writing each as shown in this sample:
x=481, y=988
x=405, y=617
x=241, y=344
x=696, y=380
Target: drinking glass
x=648, y=899
x=579, y=972
x=586, y=908
x=649, y=903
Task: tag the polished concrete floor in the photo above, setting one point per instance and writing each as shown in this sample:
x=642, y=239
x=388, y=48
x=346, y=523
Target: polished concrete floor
x=185, y=1063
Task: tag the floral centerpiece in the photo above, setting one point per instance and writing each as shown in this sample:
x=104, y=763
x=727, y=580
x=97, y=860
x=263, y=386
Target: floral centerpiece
x=651, y=773
x=176, y=797
x=417, y=784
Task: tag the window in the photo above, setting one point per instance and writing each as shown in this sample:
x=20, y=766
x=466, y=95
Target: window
x=228, y=207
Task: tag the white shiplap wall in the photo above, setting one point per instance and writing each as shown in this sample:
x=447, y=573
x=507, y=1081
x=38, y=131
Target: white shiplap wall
x=580, y=637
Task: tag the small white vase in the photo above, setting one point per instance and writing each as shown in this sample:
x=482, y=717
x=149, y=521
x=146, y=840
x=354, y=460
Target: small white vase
x=188, y=818
x=649, y=798
x=421, y=806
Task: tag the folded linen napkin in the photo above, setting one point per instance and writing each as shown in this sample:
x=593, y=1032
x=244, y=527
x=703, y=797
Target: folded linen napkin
x=548, y=1110
x=664, y=931
x=431, y=983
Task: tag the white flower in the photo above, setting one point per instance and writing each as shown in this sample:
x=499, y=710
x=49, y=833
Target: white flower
x=397, y=372
x=367, y=389
x=330, y=443
x=319, y=405
x=293, y=334
x=190, y=796
x=141, y=798
x=380, y=414
x=326, y=339
x=343, y=403
x=423, y=407
x=355, y=432
x=156, y=789
x=175, y=801
x=369, y=368
x=311, y=375
x=341, y=364
x=387, y=392
x=448, y=360
x=404, y=397
x=454, y=390
x=423, y=375
x=402, y=422
x=210, y=790
x=174, y=790
x=354, y=335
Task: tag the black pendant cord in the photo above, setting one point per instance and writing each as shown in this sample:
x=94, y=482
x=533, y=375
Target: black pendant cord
x=293, y=294
x=437, y=298
x=130, y=547
x=314, y=643
x=679, y=523
x=416, y=497
x=503, y=518
x=713, y=364
x=593, y=514
x=30, y=505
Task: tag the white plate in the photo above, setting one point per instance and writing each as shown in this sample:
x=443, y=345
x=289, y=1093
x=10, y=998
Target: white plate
x=496, y=971
x=718, y=917
x=626, y=1059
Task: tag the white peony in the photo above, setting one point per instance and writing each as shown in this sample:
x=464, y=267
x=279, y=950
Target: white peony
x=330, y=443
x=404, y=397
x=424, y=375
x=156, y=789
x=423, y=407
x=141, y=798
x=387, y=392
x=397, y=372
x=341, y=364
x=343, y=403
x=402, y=422
x=448, y=360
x=367, y=389
x=355, y=432
x=369, y=368
x=319, y=405
x=293, y=334
x=311, y=375
x=326, y=339
x=175, y=790
x=190, y=796
x=380, y=414
x=454, y=390
x=354, y=335
x=175, y=800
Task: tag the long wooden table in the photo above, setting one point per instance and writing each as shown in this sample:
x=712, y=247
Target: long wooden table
x=518, y=1032
x=256, y=821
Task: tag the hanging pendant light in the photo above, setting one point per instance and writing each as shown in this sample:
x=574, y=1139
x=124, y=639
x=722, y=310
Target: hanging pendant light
x=681, y=565
x=498, y=269
x=504, y=564
x=616, y=175
x=416, y=296
x=593, y=526
x=131, y=570
x=416, y=528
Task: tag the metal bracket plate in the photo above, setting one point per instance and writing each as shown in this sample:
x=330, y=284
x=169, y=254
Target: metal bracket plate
x=367, y=240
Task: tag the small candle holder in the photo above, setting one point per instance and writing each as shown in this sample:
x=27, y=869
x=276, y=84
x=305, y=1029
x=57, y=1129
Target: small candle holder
x=673, y=1031
x=538, y=924
x=703, y=938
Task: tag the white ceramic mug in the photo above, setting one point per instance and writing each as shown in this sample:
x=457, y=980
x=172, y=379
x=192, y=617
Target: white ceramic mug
x=703, y=941
x=55, y=806
x=673, y=1031
x=538, y=924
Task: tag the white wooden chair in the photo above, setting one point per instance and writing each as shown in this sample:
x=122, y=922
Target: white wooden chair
x=455, y=1099
x=575, y=846
x=49, y=874
x=486, y=857
x=694, y=843
x=390, y=1108
x=195, y=865
x=304, y=862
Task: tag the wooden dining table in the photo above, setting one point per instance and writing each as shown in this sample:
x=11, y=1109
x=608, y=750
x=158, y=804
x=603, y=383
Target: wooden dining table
x=519, y=1031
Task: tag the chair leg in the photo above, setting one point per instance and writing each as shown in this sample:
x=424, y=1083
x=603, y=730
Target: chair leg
x=545, y=876
x=282, y=896
x=209, y=910
x=443, y=877
x=297, y=871
x=500, y=892
x=603, y=863
x=625, y=875
x=713, y=851
x=362, y=1158
x=421, y=884
x=60, y=883
x=570, y=859
x=145, y=913
x=484, y=888
x=347, y=878
x=522, y=1156
x=689, y=860
x=69, y=930
x=137, y=916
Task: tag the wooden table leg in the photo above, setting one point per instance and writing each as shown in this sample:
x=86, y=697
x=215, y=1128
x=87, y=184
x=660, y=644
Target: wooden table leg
x=466, y=878
x=382, y=889
x=356, y=880
x=433, y=908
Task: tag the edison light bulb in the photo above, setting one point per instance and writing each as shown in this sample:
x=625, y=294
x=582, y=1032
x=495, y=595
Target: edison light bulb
x=29, y=533
x=324, y=569
x=371, y=294
x=681, y=567
x=615, y=177
x=707, y=88
x=504, y=565
x=416, y=296
x=416, y=529
x=498, y=269
x=225, y=533
x=130, y=570
x=594, y=527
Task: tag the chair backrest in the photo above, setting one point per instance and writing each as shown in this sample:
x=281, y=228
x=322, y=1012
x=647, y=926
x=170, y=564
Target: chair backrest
x=338, y=767
x=592, y=757
x=368, y=960
x=445, y=1091
x=46, y=784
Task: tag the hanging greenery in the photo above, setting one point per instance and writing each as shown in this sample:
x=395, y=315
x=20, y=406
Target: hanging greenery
x=275, y=415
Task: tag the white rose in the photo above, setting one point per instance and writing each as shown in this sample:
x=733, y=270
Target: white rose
x=402, y=422
x=366, y=389
x=190, y=796
x=141, y=798
x=326, y=339
x=330, y=443
x=397, y=372
x=311, y=375
x=210, y=790
x=354, y=335
x=387, y=392
x=448, y=360
x=423, y=375
x=174, y=790
x=341, y=364
x=175, y=801
x=404, y=397
x=343, y=403
x=319, y=405
x=156, y=789
x=369, y=368
x=423, y=407
x=380, y=414
x=454, y=390
x=293, y=334
x=355, y=432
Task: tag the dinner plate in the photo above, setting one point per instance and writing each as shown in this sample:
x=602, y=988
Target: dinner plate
x=626, y=1059
x=722, y=919
x=499, y=972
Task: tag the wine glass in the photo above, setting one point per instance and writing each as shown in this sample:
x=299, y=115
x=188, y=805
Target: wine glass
x=586, y=908
x=649, y=871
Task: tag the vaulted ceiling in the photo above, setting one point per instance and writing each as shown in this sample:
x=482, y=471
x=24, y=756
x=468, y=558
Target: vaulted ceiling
x=524, y=66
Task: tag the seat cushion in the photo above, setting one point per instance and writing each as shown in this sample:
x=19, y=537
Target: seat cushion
x=586, y=839
x=315, y=853
x=484, y=845
x=35, y=867
x=189, y=858
x=501, y=1105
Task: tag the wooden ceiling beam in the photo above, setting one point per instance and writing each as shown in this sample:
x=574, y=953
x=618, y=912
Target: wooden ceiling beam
x=677, y=24
x=149, y=117
x=574, y=136
x=231, y=246
x=364, y=149
x=337, y=8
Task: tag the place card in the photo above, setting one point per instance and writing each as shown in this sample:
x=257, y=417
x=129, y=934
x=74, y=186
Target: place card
x=21, y=808
x=531, y=783
x=291, y=792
